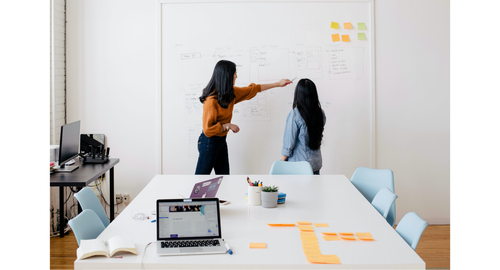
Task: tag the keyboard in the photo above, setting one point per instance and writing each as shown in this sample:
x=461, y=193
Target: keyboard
x=190, y=243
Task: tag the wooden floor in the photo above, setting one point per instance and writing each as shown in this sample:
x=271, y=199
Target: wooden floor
x=433, y=248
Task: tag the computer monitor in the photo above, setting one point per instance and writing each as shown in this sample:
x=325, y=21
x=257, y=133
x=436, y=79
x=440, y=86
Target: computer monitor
x=69, y=146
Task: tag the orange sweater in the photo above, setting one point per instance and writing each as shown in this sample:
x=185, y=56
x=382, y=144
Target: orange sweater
x=214, y=116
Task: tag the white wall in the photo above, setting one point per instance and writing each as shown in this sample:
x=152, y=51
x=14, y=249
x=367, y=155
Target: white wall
x=112, y=77
x=413, y=103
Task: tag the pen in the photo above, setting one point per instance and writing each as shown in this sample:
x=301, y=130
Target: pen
x=248, y=180
x=228, y=248
x=292, y=80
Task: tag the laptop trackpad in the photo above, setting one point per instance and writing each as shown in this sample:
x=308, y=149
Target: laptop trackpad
x=191, y=250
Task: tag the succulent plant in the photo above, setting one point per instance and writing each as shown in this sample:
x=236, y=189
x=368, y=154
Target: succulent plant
x=270, y=189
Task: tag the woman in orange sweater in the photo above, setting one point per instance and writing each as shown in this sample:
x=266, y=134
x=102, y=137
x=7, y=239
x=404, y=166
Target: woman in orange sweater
x=218, y=100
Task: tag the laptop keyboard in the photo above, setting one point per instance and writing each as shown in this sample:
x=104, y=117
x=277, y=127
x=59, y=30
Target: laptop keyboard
x=190, y=243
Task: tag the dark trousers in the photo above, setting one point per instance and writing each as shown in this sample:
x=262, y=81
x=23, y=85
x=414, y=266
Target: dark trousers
x=212, y=155
x=316, y=172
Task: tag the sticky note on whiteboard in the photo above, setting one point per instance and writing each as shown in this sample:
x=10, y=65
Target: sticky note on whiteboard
x=345, y=38
x=361, y=26
x=335, y=37
x=361, y=36
x=335, y=25
x=347, y=25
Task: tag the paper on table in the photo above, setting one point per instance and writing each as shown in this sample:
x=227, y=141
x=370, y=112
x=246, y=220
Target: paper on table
x=361, y=26
x=365, y=238
x=361, y=36
x=321, y=225
x=329, y=233
x=346, y=233
x=348, y=238
x=335, y=25
x=331, y=238
x=347, y=25
x=281, y=224
x=365, y=234
x=345, y=38
x=304, y=222
x=335, y=37
x=257, y=245
x=305, y=227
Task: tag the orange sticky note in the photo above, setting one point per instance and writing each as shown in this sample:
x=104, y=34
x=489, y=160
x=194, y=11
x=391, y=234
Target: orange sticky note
x=365, y=238
x=347, y=238
x=321, y=225
x=346, y=233
x=331, y=238
x=329, y=233
x=281, y=224
x=335, y=25
x=257, y=245
x=347, y=25
x=345, y=38
x=305, y=227
x=363, y=234
x=304, y=222
x=335, y=37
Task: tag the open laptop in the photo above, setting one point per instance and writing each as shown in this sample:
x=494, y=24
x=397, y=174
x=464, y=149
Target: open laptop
x=207, y=188
x=188, y=226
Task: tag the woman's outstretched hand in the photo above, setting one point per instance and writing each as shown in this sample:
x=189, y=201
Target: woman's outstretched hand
x=284, y=82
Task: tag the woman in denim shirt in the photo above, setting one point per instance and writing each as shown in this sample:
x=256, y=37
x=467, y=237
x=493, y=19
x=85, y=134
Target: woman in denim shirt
x=304, y=127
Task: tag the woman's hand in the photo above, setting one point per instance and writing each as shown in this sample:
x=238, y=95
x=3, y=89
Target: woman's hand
x=284, y=82
x=284, y=158
x=233, y=127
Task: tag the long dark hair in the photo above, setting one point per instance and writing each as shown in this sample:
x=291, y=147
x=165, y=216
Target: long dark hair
x=221, y=84
x=307, y=102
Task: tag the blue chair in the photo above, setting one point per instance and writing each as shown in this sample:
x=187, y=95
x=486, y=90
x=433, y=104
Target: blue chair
x=88, y=200
x=370, y=181
x=288, y=167
x=383, y=201
x=411, y=228
x=87, y=225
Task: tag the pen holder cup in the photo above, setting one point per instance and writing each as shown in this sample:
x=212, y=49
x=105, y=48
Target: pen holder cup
x=254, y=195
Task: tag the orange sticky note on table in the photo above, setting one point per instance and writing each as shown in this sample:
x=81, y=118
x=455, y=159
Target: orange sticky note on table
x=347, y=25
x=304, y=222
x=335, y=25
x=348, y=238
x=365, y=238
x=329, y=233
x=335, y=37
x=363, y=234
x=305, y=227
x=281, y=224
x=346, y=233
x=345, y=38
x=321, y=225
x=331, y=238
x=257, y=245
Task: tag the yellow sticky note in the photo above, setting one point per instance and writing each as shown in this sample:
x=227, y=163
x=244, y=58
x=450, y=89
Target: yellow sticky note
x=363, y=234
x=314, y=244
x=346, y=233
x=365, y=238
x=312, y=251
x=257, y=245
x=347, y=25
x=305, y=227
x=361, y=36
x=331, y=259
x=361, y=26
x=331, y=238
x=321, y=225
x=335, y=37
x=348, y=238
x=329, y=233
x=345, y=38
x=304, y=222
x=335, y=25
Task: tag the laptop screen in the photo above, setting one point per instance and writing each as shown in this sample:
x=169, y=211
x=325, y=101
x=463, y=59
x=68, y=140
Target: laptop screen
x=188, y=219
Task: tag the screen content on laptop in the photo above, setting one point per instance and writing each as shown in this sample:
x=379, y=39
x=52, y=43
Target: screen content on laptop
x=188, y=219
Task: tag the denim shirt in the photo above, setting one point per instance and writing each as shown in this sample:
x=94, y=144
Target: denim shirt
x=296, y=141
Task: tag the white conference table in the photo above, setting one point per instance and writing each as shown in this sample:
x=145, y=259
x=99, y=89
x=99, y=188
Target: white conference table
x=328, y=199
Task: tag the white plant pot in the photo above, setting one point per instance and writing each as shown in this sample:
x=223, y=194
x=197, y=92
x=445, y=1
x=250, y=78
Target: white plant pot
x=269, y=199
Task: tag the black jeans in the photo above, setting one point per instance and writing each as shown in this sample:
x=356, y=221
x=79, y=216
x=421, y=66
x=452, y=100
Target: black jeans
x=212, y=155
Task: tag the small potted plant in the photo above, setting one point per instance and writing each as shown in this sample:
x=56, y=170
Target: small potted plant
x=269, y=196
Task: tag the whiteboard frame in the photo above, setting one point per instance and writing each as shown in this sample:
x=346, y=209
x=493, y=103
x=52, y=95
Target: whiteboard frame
x=373, y=148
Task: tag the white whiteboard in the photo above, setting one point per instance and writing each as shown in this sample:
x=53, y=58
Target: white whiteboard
x=268, y=41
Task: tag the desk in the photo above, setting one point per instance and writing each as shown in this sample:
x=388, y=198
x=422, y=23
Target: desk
x=328, y=199
x=81, y=177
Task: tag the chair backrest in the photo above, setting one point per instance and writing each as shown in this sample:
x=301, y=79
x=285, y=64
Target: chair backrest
x=411, y=228
x=383, y=201
x=87, y=225
x=88, y=200
x=288, y=167
x=369, y=181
